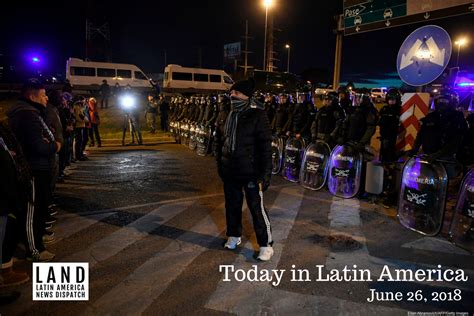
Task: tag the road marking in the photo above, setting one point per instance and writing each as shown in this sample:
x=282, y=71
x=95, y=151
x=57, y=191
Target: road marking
x=190, y=198
x=73, y=223
x=133, y=232
x=245, y=298
x=437, y=245
x=152, y=278
x=345, y=220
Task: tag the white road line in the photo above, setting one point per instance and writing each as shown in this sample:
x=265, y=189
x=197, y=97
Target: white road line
x=152, y=278
x=190, y=198
x=345, y=220
x=120, y=239
x=73, y=223
x=246, y=298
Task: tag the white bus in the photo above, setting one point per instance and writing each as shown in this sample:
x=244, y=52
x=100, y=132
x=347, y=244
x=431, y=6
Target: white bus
x=183, y=79
x=89, y=75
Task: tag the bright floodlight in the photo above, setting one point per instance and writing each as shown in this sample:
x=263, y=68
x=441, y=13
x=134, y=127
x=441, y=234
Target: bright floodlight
x=35, y=59
x=461, y=41
x=268, y=3
x=287, y=46
x=128, y=102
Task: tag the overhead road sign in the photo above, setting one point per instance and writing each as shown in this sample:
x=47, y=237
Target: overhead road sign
x=364, y=16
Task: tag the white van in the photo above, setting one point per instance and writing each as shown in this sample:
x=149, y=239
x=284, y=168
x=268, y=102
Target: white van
x=378, y=94
x=183, y=79
x=89, y=74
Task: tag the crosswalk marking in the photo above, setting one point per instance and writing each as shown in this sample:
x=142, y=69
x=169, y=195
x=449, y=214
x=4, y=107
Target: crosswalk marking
x=234, y=297
x=436, y=244
x=345, y=220
x=152, y=278
x=120, y=239
x=74, y=223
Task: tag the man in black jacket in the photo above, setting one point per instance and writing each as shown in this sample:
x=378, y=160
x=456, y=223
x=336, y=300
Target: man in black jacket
x=27, y=121
x=244, y=161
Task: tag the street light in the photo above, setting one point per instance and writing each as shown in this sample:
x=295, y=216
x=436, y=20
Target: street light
x=267, y=4
x=460, y=42
x=287, y=46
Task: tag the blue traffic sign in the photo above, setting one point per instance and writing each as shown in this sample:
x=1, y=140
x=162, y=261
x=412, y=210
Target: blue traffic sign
x=424, y=55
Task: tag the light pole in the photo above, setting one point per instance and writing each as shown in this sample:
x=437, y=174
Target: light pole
x=460, y=42
x=267, y=4
x=287, y=46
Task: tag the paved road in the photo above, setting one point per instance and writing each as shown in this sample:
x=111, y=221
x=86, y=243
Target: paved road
x=150, y=222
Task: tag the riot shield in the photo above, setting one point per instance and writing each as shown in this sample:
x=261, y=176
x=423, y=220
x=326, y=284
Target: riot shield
x=175, y=131
x=204, y=140
x=294, y=149
x=345, y=168
x=193, y=128
x=277, y=154
x=185, y=134
x=422, y=196
x=462, y=227
x=315, y=166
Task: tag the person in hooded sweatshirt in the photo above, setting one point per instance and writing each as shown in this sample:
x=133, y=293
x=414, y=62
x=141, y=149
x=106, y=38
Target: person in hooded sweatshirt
x=244, y=163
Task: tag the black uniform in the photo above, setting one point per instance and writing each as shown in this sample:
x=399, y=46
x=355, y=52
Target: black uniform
x=389, y=124
x=326, y=122
x=164, y=112
x=360, y=124
x=441, y=133
x=270, y=109
x=302, y=120
x=280, y=118
x=466, y=151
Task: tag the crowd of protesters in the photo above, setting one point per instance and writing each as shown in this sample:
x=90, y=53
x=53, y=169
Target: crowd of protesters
x=45, y=134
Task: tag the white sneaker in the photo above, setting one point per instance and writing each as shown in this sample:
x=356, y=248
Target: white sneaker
x=265, y=253
x=232, y=242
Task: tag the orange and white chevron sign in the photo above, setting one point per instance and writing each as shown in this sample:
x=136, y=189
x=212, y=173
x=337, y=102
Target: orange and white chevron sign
x=415, y=106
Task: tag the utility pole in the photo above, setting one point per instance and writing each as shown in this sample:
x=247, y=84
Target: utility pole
x=246, y=51
x=338, y=54
x=102, y=31
x=270, y=52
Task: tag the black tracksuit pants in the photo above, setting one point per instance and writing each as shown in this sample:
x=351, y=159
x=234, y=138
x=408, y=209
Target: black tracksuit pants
x=234, y=198
x=42, y=197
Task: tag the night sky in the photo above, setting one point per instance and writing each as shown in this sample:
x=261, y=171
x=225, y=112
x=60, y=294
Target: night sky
x=142, y=31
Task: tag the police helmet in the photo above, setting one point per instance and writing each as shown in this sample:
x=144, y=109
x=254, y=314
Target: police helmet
x=446, y=99
x=393, y=94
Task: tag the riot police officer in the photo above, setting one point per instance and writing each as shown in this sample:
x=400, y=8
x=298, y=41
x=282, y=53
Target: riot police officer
x=210, y=112
x=360, y=123
x=466, y=152
x=270, y=106
x=328, y=118
x=281, y=115
x=358, y=129
x=223, y=106
x=345, y=100
x=302, y=117
x=441, y=132
x=389, y=124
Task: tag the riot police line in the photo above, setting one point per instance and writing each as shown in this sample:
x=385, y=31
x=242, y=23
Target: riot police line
x=330, y=148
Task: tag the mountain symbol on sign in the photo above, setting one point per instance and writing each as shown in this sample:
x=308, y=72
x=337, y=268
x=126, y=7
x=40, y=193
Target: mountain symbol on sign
x=436, y=55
